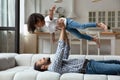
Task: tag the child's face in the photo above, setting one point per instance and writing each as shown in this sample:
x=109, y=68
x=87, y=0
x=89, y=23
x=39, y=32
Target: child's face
x=40, y=24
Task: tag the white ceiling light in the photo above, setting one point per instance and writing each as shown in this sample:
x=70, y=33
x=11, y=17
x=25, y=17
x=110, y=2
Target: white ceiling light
x=58, y=1
x=95, y=0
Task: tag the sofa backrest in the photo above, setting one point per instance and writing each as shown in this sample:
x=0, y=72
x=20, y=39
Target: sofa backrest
x=30, y=59
x=7, y=60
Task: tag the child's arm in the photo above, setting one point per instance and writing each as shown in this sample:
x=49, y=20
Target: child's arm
x=51, y=12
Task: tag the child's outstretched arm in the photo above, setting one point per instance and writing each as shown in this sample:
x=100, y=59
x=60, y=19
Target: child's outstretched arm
x=51, y=12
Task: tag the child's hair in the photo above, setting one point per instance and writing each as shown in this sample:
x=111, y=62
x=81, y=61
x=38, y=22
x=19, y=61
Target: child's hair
x=32, y=20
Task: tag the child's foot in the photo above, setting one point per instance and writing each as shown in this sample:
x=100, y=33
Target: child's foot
x=103, y=26
x=97, y=41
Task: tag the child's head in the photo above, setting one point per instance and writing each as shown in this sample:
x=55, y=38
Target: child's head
x=35, y=20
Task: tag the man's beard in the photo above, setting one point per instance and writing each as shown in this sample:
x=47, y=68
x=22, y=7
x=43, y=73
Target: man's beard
x=48, y=61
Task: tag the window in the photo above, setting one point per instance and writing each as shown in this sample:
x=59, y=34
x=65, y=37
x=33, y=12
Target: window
x=110, y=18
x=92, y=16
x=118, y=18
x=9, y=26
x=101, y=16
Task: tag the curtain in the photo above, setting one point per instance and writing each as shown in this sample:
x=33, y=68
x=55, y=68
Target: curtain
x=7, y=19
x=7, y=13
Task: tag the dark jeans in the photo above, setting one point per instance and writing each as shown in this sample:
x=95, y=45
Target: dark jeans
x=109, y=67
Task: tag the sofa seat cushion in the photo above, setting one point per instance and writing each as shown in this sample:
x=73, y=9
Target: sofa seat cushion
x=4, y=75
x=10, y=73
x=72, y=76
x=47, y=75
x=26, y=75
x=95, y=77
x=113, y=77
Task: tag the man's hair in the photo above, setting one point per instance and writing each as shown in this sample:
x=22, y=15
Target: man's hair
x=38, y=67
x=32, y=20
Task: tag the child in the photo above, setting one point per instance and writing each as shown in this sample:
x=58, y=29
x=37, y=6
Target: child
x=37, y=20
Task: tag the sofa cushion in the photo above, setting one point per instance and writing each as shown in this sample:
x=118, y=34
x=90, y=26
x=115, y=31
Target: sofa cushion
x=23, y=59
x=26, y=75
x=3, y=63
x=7, y=60
x=11, y=62
x=7, y=75
x=72, y=76
x=95, y=77
x=113, y=77
x=48, y=76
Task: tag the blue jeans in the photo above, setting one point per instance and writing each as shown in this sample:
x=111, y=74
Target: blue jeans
x=72, y=27
x=109, y=67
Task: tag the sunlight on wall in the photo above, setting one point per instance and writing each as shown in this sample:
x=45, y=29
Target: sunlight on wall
x=25, y=30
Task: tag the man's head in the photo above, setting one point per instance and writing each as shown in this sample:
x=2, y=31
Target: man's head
x=42, y=64
x=35, y=20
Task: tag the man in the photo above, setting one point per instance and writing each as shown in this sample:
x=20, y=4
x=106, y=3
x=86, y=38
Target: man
x=61, y=64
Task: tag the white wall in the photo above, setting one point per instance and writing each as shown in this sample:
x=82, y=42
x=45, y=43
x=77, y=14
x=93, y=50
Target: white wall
x=47, y=4
x=82, y=7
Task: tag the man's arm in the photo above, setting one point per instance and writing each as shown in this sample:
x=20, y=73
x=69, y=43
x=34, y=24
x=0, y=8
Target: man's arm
x=56, y=65
x=66, y=51
x=67, y=45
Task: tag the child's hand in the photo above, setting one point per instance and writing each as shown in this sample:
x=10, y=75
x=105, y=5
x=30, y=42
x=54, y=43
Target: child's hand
x=53, y=8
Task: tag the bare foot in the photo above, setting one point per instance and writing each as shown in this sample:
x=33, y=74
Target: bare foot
x=97, y=41
x=103, y=26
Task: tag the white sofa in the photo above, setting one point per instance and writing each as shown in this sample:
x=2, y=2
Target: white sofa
x=20, y=67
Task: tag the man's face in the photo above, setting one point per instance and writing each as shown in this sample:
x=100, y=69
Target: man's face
x=43, y=62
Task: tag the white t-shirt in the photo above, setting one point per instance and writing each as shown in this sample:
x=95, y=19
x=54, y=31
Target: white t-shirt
x=52, y=24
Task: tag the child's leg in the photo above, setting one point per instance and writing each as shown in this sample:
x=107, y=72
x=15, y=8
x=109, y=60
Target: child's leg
x=79, y=35
x=83, y=36
x=75, y=25
x=97, y=41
